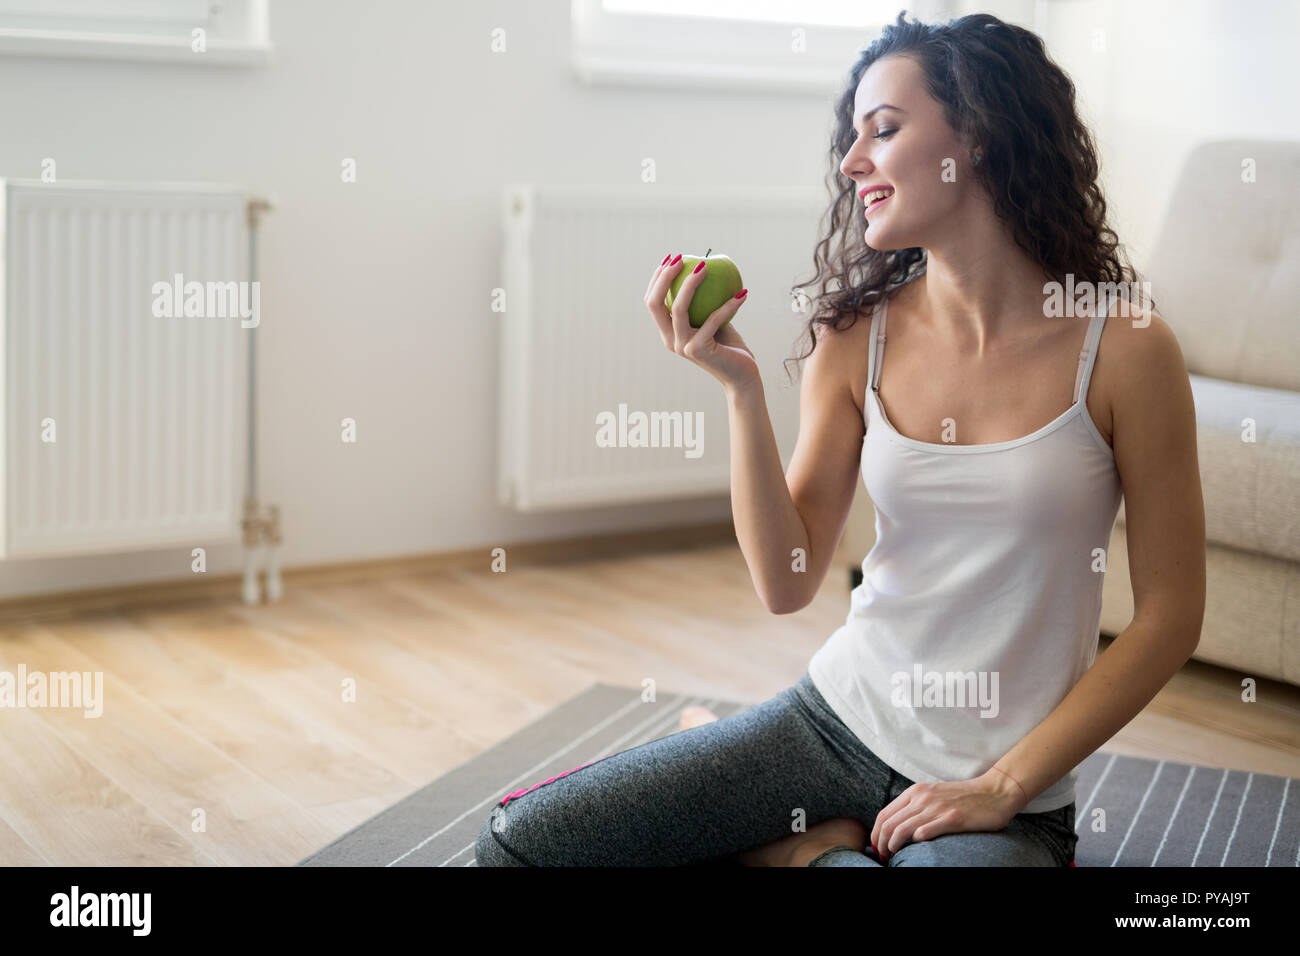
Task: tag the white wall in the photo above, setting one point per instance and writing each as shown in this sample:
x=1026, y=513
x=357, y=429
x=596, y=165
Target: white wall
x=1175, y=73
x=375, y=294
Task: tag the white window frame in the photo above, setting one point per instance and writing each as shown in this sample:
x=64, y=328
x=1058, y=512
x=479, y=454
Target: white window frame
x=712, y=53
x=237, y=31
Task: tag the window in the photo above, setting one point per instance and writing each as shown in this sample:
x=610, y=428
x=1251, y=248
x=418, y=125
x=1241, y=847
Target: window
x=827, y=13
x=787, y=46
x=194, y=31
x=783, y=46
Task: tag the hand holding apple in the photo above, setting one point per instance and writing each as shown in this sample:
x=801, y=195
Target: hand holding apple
x=721, y=281
x=698, y=328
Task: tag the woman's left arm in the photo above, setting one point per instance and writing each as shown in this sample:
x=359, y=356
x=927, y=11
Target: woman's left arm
x=1154, y=438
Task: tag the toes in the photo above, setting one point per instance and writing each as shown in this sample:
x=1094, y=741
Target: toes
x=695, y=716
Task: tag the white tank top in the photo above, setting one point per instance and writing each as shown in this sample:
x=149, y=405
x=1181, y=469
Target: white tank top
x=980, y=601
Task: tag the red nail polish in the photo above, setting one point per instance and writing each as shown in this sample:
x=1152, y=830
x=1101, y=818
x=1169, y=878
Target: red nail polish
x=742, y=293
x=677, y=260
x=666, y=258
x=698, y=268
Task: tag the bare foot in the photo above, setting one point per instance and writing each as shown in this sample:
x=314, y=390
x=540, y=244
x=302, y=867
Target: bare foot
x=695, y=716
x=800, y=849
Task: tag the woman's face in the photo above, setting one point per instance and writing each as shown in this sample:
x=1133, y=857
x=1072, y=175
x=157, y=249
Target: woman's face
x=907, y=146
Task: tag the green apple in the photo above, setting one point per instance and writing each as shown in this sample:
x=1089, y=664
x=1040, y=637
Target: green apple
x=721, y=281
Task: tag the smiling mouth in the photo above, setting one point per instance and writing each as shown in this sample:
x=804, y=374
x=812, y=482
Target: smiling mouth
x=875, y=205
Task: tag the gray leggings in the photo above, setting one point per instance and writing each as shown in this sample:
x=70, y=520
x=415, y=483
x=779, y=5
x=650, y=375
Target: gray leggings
x=700, y=796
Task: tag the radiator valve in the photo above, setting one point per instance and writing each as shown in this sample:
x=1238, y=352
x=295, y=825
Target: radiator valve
x=259, y=530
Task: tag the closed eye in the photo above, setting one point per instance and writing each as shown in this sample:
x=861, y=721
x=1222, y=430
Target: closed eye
x=885, y=133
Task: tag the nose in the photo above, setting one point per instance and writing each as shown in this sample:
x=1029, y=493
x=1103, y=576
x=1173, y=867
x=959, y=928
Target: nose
x=855, y=162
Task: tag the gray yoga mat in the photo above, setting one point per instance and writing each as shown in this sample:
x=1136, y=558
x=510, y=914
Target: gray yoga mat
x=1157, y=813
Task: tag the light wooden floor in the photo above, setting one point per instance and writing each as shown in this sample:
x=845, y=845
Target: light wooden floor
x=239, y=712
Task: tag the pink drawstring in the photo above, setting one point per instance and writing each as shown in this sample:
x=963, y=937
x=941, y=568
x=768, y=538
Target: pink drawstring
x=520, y=793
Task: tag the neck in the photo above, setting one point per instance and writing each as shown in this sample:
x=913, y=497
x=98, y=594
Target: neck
x=981, y=292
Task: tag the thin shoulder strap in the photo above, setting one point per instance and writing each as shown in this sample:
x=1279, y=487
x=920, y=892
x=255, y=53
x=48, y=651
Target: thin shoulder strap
x=1088, y=357
x=877, y=353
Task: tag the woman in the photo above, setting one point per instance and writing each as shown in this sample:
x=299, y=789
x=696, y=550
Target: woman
x=942, y=724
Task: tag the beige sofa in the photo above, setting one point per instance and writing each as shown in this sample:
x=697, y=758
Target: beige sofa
x=1225, y=275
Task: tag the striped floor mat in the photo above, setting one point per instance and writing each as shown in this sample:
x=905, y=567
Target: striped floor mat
x=1155, y=813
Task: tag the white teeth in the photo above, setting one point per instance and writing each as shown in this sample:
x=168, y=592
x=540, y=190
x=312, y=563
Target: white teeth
x=876, y=194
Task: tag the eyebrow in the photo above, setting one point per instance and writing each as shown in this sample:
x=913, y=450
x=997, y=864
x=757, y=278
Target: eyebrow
x=876, y=109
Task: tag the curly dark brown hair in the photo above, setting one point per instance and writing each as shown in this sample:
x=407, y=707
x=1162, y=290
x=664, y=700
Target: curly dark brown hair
x=999, y=87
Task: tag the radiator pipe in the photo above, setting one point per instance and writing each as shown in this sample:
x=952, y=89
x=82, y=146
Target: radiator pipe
x=257, y=529
x=274, y=589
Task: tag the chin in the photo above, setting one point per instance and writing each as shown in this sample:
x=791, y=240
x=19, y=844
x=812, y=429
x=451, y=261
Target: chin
x=884, y=238
x=881, y=241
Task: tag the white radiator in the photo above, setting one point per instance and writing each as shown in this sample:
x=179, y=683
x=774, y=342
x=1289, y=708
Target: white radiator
x=579, y=348
x=122, y=416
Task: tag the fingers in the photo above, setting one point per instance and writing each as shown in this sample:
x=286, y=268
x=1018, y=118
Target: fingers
x=681, y=316
x=898, y=832
x=887, y=819
x=657, y=292
x=654, y=276
x=719, y=315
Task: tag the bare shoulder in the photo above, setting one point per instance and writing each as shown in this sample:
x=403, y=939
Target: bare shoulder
x=1138, y=361
x=1141, y=341
x=840, y=357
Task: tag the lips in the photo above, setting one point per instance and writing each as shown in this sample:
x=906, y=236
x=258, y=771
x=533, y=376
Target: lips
x=877, y=204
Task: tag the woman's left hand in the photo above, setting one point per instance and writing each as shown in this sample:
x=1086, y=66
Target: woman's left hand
x=926, y=810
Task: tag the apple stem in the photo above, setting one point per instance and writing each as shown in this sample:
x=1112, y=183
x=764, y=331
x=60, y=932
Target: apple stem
x=706, y=255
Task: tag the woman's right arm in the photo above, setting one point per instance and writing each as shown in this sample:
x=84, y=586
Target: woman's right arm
x=775, y=513
x=808, y=506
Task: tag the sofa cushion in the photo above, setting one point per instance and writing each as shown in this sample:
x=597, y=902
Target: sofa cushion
x=1251, y=489
x=1225, y=267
